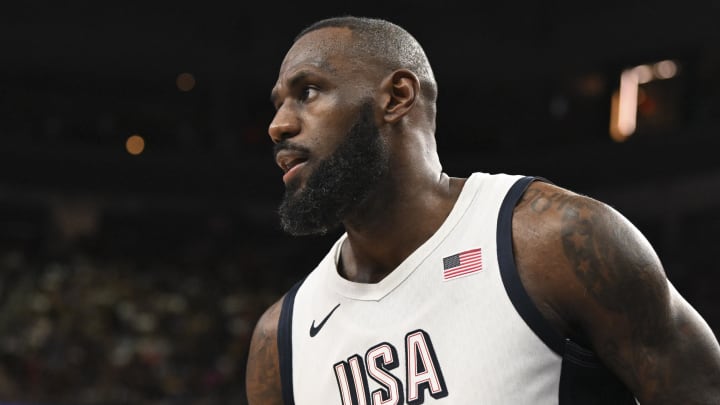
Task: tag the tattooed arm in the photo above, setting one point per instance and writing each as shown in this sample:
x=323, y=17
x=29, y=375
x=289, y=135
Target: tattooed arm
x=593, y=274
x=263, y=369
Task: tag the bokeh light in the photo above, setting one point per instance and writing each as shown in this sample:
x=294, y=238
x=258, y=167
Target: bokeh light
x=135, y=144
x=185, y=82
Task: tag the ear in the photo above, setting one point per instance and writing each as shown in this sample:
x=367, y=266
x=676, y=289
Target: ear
x=401, y=90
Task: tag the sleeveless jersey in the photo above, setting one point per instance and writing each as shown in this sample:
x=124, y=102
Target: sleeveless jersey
x=452, y=324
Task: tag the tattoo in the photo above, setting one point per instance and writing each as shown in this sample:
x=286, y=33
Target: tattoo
x=581, y=248
x=604, y=256
x=541, y=202
x=662, y=354
x=614, y=267
x=639, y=366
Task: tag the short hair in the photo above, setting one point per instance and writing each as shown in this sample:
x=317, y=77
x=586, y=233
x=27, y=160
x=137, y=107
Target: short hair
x=391, y=44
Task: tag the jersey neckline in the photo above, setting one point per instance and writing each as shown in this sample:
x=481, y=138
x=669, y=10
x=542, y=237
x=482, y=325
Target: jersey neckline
x=377, y=291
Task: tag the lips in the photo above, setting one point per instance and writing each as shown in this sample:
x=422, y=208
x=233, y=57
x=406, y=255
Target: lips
x=290, y=161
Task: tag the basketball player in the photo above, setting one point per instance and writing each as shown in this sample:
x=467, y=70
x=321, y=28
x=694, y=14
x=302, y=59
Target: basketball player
x=491, y=289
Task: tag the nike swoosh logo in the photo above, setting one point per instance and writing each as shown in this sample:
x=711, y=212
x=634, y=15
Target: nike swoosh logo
x=315, y=329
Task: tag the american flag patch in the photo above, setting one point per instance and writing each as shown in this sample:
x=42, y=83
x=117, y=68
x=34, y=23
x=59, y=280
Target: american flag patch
x=461, y=264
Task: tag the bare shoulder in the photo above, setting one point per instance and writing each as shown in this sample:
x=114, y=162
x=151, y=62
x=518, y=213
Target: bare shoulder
x=592, y=273
x=263, y=367
x=578, y=247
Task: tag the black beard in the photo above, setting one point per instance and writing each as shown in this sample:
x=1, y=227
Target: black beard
x=339, y=184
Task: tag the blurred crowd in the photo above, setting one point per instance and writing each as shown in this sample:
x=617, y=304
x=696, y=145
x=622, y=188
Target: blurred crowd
x=79, y=328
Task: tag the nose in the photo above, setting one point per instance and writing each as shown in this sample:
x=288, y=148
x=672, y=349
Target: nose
x=284, y=125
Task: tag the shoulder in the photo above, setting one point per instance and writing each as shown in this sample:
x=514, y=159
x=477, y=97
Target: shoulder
x=552, y=221
x=263, y=367
x=594, y=275
x=579, y=257
x=568, y=226
x=267, y=324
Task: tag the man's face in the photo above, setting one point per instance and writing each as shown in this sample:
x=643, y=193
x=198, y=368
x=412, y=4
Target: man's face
x=326, y=140
x=339, y=183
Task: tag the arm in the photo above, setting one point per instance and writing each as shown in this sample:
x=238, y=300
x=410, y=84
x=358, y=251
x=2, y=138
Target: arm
x=263, y=371
x=591, y=272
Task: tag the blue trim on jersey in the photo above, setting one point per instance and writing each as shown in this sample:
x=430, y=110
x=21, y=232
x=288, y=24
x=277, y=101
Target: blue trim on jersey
x=284, y=342
x=584, y=380
x=510, y=277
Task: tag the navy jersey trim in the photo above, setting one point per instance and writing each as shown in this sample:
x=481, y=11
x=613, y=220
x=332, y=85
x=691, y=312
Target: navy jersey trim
x=584, y=380
x=510, y=277
x=284, y=342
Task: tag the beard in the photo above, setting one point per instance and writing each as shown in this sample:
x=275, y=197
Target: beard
x=339, y=184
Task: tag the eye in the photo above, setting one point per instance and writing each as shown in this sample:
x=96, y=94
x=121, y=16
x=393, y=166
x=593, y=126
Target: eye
x=307, y=93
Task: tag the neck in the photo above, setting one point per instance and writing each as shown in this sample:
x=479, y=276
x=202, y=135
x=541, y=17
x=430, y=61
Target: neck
x=399, y=218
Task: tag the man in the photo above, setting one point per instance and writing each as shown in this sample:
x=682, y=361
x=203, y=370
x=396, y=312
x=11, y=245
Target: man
x=495, y=289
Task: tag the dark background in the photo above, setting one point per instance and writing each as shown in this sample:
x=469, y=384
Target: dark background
x=138, y=278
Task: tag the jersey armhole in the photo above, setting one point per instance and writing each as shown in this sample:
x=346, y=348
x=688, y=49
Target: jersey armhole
x=511, y=279
x=284, y=342
x=584, y=379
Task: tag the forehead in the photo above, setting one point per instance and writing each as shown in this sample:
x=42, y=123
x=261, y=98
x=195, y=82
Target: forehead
x=323, y=49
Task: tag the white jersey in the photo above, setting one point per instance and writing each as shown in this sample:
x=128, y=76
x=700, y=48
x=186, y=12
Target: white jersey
x=451, y=324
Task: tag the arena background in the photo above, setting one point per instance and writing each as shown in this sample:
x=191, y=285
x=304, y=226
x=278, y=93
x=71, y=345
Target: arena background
x=138, y=236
